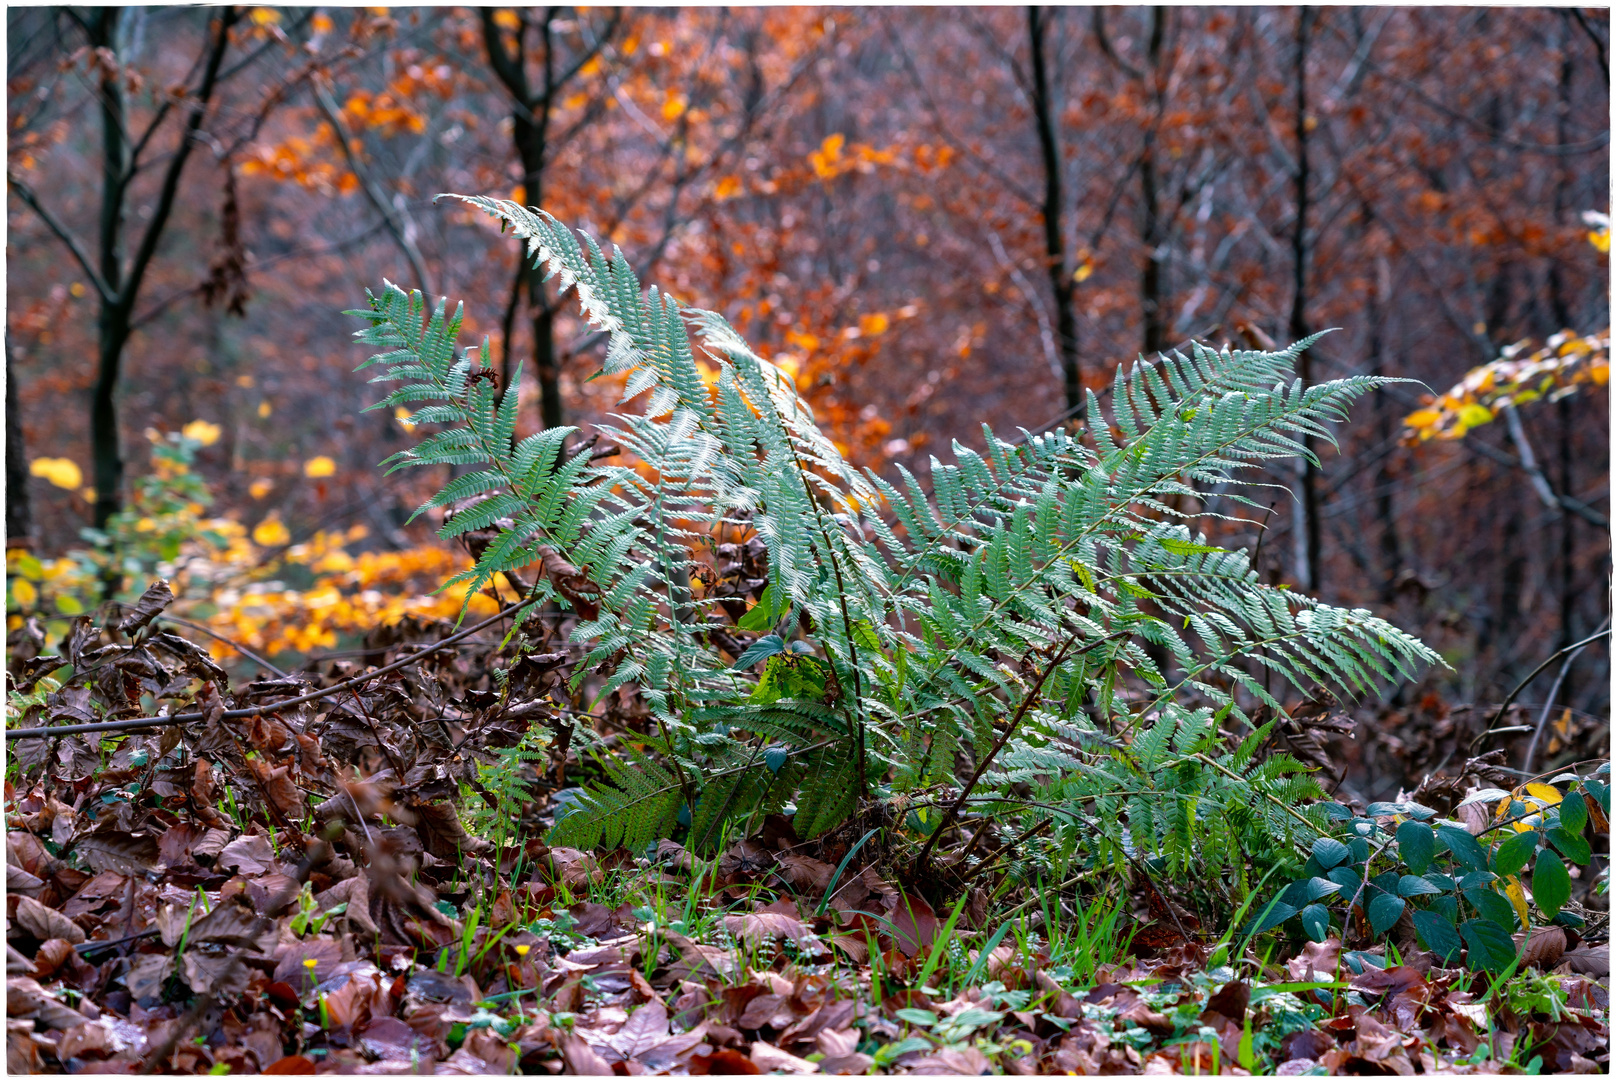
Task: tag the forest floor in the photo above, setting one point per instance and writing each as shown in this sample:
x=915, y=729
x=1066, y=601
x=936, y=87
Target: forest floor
x=240, y=896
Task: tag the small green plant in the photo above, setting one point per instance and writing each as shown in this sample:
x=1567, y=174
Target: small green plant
x=309, y=919
x=506, y=786
x=1462, y=892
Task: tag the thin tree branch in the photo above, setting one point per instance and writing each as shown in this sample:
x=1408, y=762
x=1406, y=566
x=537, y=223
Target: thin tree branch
x=26, y=193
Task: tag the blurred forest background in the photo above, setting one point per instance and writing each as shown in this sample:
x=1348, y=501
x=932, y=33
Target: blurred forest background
x=934, y=217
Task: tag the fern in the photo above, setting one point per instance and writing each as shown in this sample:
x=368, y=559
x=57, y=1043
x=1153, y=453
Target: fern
x=900, y=630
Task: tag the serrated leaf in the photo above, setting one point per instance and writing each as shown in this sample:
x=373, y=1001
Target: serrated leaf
x=1551, y=884
x=1330, y=852
x=1491, y=948
x=1514, y=853
x=1484, y=795
x=1545, y=793
x=1417, y=844
x=1437, y=934
x=1316, y=921
x=1466, y=851
x=761, y=649
x=1572, y=847
x=1573, y=813
x=1410, y=885
x=1493, y=906
x=1384, y=911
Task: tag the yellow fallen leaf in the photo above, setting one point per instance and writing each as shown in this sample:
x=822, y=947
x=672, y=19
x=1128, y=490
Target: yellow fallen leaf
x=260, y=487
x=264, y=409
x=1422, y=419
x=271, y=533
x=59, y=471
x=24, y=592
x=317, y=467
x=203, y=432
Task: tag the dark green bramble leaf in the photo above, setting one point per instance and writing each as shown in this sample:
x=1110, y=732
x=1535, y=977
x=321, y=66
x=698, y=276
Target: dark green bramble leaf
x=1417, y=844
x=1386, y=882
x=1337, y=811
x=1437, y=934
x=1274, y=913
x=1360, y=850
x=1447, y=907
x=1477, y=879
x=1490, y=946
x=1572, y=847
x=1569, y=918
x=1441, y=881
x=1307, y=890
x=764, y=647
x=1410, y=885
x=1514, y=853
x=774, y=757
x=1316, y=921
x=1311, y=868
x=1466, y=851
x=1600, y=792
x=1551, y=884
x=1346, y=878
x=1573, y=813
x=1384, y=911
x=1493, y=906
x=1329, y=851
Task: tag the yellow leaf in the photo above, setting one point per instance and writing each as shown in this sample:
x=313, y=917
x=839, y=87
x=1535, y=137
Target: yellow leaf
x=260, y=487
x=24, y=592
x=271, y=533
x=874, y=324
x=506, y=19
x=727, y=188
x=77, y=288
x=1517, y=897
x=402, y=415
x=264, y=409
x=59, y=471
x=265, y=16
x=316, y=467
x=1423, y=418
x=1503, y=808
x=322, y=23
x=1083, y=272
x=203, y=432
x=1475, y=414
x=1543, y=791
x=674, y=107
x=592, y=67
x=1600, y=239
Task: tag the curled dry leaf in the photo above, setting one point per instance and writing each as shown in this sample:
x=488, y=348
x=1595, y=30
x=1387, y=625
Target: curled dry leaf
x=45, y=923
x=150, y=605
x=570, y=582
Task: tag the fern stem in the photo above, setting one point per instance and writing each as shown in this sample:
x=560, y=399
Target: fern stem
x=1009, y=730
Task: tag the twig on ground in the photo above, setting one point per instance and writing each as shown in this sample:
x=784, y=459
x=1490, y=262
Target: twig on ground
x=259, y=710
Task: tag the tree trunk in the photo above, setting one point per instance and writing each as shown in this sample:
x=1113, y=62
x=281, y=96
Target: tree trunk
x=1153, y=306
x=19, y=511
x=1054, y=213
x=106, y=455
x=1307, y=537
